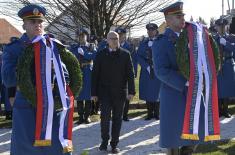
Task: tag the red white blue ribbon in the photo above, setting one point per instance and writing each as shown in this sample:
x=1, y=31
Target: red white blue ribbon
x=201, y=63
x=46, y=55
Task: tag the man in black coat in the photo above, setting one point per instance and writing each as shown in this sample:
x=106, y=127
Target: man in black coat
x=112, y=71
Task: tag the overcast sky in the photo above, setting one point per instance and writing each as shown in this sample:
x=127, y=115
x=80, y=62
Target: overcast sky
x=195, y=8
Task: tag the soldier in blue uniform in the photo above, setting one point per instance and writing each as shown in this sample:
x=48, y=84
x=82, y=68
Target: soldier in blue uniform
x=8, y=94
x=24, y=114
x=102, y=45
x=95, y=108
x=226, y=76
x=173, y=84
x=126, y=45
x=6, y=101
x=149, y=84
x=232, y=34
x=85, y=53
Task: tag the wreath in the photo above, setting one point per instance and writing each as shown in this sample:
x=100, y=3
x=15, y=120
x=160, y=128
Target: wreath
x=182, y=53
x=26, y=74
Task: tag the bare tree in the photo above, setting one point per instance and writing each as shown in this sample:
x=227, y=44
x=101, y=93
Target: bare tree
x=101, y=15
x=201, y=20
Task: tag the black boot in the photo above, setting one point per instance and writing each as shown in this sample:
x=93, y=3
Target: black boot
x=225, y=109
x=149, y=111
x=187, y=150
x=156, y=110
x=175, y=151
x=220, y=107
x=80, y=108
x=8, y=115
x=93, y=112
x=97, y=107
x=87, y=112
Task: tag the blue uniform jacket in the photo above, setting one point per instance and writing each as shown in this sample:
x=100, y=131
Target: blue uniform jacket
x=226, y=75
x=102, y=45
x=86, y=64
x=149, y=85
x=24, y=115
x=133, y=53
x=172, y=92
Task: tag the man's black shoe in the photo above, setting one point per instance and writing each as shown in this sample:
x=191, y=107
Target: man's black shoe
x=115, y=150
x=103, y=147
x=126, y=119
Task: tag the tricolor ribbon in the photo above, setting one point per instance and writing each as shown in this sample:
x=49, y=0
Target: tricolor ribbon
x=201, y=63
x=46, y=55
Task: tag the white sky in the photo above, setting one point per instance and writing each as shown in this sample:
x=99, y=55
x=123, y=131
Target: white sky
x=204, y=8
x=195, y=8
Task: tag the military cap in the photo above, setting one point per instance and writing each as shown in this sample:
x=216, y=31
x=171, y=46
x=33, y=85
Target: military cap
x=232, y=26
x=173, y=9
x=32, y=11
x=151, y=26
x=120, y=30
x=82, y=31
x=221, y=21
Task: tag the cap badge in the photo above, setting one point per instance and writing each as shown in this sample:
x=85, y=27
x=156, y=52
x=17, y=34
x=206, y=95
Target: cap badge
x=35, y=11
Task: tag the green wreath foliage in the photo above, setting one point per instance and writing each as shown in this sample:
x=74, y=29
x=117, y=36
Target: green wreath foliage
x=182, y=53
x=26, y=74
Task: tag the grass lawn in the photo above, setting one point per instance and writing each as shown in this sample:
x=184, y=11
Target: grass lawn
x=226, y=147
x=219, y=148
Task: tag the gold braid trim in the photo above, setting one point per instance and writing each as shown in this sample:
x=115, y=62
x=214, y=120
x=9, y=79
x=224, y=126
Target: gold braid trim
x=190, y=136
x=212, y=137
x=42, y=143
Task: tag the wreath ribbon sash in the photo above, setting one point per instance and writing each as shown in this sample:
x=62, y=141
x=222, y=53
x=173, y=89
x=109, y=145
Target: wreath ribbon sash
x=201, y=63
x=46, y=56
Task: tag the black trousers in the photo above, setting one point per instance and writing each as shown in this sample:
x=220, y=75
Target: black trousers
x=116, y=109
x=84, y=109
x=126, y=108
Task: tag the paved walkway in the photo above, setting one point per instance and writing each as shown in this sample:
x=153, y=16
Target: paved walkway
x=138, y=137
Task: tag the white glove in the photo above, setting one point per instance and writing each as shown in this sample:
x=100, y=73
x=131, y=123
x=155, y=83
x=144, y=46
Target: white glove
x=80, y=51
x=187, y=84
x=150, y=43
x=148, y=69
x=222, y=41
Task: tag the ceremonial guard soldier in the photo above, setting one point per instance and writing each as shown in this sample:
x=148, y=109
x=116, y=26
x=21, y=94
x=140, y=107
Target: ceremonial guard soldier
x=226, y=76
x=149, y=85
x=36, y=127
x=102, y=45
x=4, y=96
x=85, y=53
x=126, y=45
x=180, y=125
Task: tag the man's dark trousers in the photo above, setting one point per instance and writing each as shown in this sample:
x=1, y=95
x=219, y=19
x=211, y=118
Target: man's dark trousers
x=115, y=107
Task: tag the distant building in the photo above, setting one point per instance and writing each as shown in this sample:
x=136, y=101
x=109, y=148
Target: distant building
x=6, y=32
